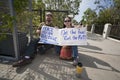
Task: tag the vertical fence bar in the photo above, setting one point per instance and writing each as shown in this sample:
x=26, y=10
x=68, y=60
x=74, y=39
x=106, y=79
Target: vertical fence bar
x=15, y=35
x=30, y=21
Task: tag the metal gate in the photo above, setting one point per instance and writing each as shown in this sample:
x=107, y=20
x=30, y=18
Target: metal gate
x=99, y=29
x=115, y=32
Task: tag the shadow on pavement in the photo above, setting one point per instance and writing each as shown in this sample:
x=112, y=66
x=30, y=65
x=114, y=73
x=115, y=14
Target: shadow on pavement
x=34, y=63
x=89, y=61
x=50, y=67
x=6, y=61
x=91, y=47
x=84, y=75
x=95, y=37
x=5, y=79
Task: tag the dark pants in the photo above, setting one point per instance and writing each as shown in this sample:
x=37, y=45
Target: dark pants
x=58, y=49
x=34, y=45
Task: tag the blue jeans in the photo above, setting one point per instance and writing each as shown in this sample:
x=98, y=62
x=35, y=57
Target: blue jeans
x=75, y=51
x=58, y=49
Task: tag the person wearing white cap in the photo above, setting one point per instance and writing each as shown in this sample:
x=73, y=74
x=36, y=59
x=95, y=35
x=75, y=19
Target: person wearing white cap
x=32, y=47
x=49, y=13
x=48, y=22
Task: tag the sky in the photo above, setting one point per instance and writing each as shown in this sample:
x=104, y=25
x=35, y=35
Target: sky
x=83, y=7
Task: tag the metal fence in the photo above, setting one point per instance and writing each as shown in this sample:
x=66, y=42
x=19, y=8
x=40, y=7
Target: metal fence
x=7, y=46
x=89, y=28
x=115, y=32
x=99, y=29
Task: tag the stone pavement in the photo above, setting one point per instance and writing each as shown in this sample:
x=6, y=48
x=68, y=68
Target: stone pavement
x=101, y=61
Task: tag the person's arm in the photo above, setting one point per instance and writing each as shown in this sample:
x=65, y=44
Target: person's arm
x=38, y=31
x=39, y=28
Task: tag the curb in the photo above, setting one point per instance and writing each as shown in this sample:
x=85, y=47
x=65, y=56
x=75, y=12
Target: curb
x=113, y=39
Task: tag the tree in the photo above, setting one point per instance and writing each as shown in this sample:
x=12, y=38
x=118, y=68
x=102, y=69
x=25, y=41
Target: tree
x=105, y=16
x=65, y=5
x=37, y=16
x=89, y=17
x=116, y=10
x=71, y=5
x=75, y=22
x=109, y=11
x=22, y=15
x=6, y=19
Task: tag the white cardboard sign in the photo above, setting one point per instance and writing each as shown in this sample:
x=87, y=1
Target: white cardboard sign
x=65, y=36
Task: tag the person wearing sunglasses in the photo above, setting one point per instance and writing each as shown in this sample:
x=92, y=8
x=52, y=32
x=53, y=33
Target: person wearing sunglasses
x=68, y=24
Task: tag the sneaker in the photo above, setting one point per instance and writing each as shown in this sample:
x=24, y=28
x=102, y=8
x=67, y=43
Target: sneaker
x=75, y=62
x=22, y=62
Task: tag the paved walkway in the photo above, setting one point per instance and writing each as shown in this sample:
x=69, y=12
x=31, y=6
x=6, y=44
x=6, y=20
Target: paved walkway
x=101, y=61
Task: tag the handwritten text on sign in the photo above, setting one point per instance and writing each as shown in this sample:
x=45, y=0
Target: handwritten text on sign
x=66, y=36
x=49, y=35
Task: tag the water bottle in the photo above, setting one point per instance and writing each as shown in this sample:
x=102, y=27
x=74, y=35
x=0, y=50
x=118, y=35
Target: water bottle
x=79, y=69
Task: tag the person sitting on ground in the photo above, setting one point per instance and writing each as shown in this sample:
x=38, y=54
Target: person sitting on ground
x=68, y=24
x=32, y=47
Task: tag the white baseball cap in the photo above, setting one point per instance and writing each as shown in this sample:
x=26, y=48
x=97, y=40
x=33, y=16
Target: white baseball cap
x=49, y=13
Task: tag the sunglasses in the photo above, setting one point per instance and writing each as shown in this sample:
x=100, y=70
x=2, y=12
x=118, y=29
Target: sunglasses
x=67, y=21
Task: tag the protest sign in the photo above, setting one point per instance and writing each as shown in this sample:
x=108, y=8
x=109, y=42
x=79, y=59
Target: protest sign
x=65, y=36
x=49, y=35
x=73, y=36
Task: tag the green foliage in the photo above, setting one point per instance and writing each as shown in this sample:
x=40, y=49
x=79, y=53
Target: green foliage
x=7, y=20
x=20, y=5
x=38, y=5
x=36, y=19
x=71, y=5
x=66, y=5
x=22, y=16
x=105, y=16
x=108, y=13
x=89, y=17
x=75, y=22
x=116, y=10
